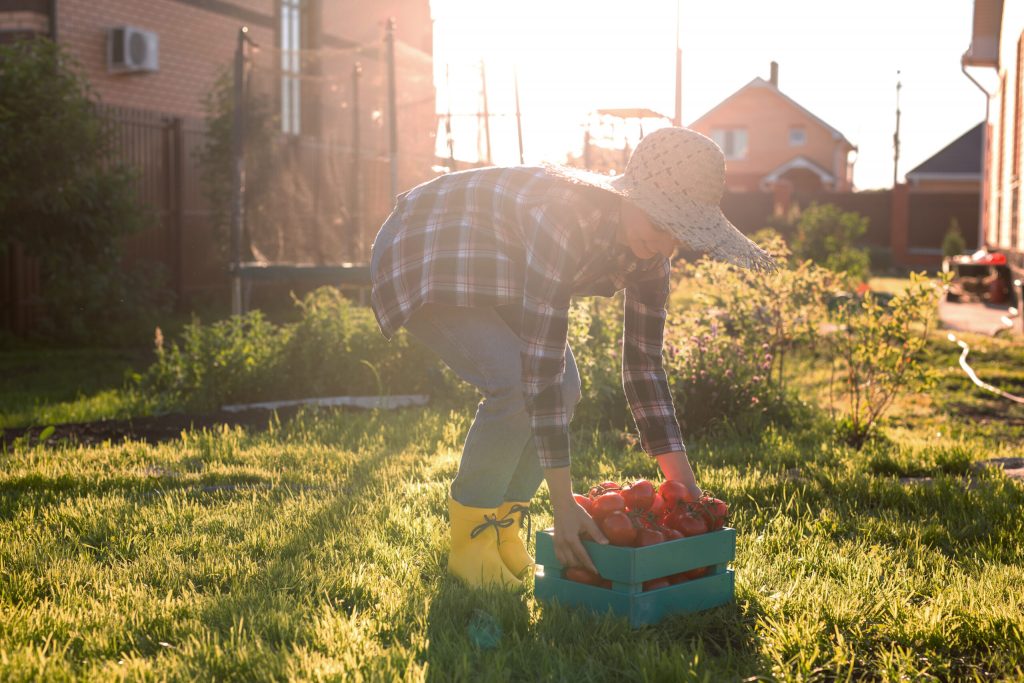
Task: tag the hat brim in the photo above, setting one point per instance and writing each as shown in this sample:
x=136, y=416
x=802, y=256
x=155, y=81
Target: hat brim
x=701, y=227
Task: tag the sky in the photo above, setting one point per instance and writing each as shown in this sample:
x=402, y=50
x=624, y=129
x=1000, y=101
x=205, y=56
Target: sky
x=837, y=59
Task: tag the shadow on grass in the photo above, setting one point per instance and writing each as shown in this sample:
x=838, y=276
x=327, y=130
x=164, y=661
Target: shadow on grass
x=476, y=634
x=504, y=635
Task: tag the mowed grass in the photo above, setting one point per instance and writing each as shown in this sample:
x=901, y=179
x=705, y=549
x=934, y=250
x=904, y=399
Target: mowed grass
x=55, y=386
x=316, y=550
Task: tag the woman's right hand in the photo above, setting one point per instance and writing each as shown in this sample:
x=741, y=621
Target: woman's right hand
x=571, y=521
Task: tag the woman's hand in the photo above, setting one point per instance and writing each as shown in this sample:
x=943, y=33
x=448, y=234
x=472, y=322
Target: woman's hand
x=570, y=521
x=676, y=466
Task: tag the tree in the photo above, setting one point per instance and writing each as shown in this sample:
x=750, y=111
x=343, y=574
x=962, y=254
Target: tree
x=826, y=235
x=63, y=198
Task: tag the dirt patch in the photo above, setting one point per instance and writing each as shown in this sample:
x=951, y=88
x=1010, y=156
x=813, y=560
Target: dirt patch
x=149, y=429
x=985, y=413
x=1013, y=468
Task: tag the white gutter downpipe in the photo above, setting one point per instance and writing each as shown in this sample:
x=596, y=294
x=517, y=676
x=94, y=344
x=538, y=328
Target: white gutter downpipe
x=982, y=199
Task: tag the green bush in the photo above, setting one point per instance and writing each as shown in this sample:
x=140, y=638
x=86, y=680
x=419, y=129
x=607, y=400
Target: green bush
x=224, y=362
x=826, y=235
x=595, y=336
x=953, y=243
x=877, y=354
x=334, y=349
x=727, y=337
x=727, y=352
x=66, y=203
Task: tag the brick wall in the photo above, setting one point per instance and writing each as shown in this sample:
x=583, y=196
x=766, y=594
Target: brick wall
x=22, y=21
x=195, y=45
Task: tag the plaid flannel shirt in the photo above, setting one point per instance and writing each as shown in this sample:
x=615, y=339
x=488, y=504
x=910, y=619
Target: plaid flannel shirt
x=520, y=236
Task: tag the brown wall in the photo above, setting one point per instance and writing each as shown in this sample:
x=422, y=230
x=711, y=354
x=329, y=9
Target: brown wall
x=767, y=116
x=911, y=225
x=875, y=206
x=930, y=216
x=946, y=186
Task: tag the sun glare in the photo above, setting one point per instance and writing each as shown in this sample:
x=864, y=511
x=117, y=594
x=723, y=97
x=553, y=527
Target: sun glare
x=838, y=60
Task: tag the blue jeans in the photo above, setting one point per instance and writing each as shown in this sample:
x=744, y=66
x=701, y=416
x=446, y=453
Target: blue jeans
x=499, y=459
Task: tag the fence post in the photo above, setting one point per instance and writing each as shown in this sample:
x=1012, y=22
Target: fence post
x=899, y=223
x=174, y=169
x=356, y=218
x=389, y=38
x=238, y=174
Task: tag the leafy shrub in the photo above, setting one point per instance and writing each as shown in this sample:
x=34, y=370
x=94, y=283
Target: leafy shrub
x=826, y=235
x=727, y=352
x=726, y=340
x=334, y=349
x=715, y=378
x=66, y=203
x=876, y=355
x=226, y=361
x=595, y=336
x=953, y=243
x=337, y=348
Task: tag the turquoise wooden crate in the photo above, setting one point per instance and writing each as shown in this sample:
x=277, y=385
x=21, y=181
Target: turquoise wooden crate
x=628, y=568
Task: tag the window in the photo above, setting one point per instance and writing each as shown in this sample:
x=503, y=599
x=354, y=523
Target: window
x=797, y=136
x=733, y=141
x=291, y=44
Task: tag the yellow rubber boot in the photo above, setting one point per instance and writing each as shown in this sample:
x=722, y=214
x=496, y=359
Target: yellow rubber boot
x=474, y=555
x=510, y=544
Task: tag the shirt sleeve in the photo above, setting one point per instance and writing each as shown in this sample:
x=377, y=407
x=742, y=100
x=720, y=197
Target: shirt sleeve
x=552, y=240
x=643, y=373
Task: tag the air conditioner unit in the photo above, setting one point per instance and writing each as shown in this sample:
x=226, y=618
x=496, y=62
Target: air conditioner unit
x=131, y=49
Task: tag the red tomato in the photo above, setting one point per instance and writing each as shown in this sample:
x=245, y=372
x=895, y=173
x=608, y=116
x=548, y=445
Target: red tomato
x=678, y=578
x=655, y=584
x=604, y=487
x=645, y=537
x=629, y=496
x=673, y=492
x=697, y=573
x=672, y=534
x=619, y=529
x=581, y=575
x=607, y=503
x=605, y=583
x=658, y=506
x=643, y=495
x=688, y=523
x=584, y=503
x=715, y=512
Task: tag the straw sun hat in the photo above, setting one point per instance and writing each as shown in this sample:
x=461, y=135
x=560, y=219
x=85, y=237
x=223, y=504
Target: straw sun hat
x=677, y=176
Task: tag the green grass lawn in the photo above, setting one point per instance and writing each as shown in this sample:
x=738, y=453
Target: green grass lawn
x=316, y=550
x=52, y=386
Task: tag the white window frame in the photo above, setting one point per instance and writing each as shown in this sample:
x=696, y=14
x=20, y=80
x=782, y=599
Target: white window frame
x=733, y=142
x=291, y=69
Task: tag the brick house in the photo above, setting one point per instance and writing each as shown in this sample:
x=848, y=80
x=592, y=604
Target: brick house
x=994, y=61
x=196, y=38
x=768, y=137
x=153, y=62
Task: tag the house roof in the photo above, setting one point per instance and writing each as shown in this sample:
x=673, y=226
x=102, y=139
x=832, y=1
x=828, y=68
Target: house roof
x=632, y=113
x=960, y=159
x=761, y=83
